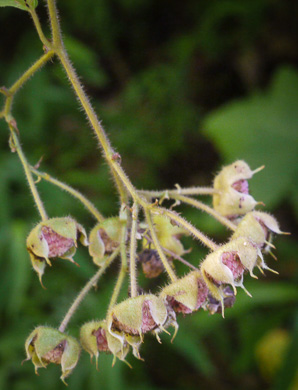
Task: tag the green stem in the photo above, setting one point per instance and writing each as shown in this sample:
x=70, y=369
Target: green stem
x=158, y=247
x=188, y=226
x=109, y=154
x=89, y=206
x=166, y=194
x=28, y=174
x=122, y=272
x=20, y=82
x=73, y=308
x=40, y=33
x=54, y=21
x=132, y=257
x=202, y=206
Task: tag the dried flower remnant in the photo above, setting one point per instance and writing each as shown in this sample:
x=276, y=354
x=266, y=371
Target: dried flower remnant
x=56, y=237
x=232, y=196
x=215, y=306
x=104, y=238
x=47, y=345
x=151, y=264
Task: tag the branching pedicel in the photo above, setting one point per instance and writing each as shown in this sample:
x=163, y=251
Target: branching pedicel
x=154, y=241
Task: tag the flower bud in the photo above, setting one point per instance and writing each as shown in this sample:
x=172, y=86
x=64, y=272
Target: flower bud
x=56, y=237
x=168, y=234
x=95, y=338
x=151, y=264
x=47, y=345
x=136, y=316
x=187, y=294
x=232, y=197
x=104, y=239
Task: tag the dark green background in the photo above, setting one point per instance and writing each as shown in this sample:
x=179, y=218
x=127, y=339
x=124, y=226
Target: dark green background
x=182, y=88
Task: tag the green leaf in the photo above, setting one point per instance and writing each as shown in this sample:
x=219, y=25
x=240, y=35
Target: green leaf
x=262, y=129
x=21, y=4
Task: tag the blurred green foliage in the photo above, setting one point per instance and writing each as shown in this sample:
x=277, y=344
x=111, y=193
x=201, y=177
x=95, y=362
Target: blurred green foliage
x=181, y=90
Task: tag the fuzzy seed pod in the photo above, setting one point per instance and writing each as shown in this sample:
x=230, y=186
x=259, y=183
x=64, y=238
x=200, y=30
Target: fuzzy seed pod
x=257, y=226
x=56, y=237
x=95, y=338
x=227, y=264
x=168, y=234
x=104, y=239
x=232, y=197
x=187, y=294
x=47, y=345
x=136, y=316
x=151, y=264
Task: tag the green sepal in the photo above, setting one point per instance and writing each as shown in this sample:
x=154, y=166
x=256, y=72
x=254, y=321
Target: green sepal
x=184, y=290
x=100, y=247
x=36, y=243
x=38, y=265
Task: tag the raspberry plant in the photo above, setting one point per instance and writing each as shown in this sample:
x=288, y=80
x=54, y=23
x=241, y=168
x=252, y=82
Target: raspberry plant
x=144, y=231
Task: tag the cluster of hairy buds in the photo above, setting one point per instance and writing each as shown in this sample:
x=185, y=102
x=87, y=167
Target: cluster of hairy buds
x=212, y=286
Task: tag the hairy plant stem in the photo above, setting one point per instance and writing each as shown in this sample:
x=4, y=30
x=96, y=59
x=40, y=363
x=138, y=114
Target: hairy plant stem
x=202, y=206
x=92, y=282
x=16, y=144
x=123, y=269
x=133, y=247
x=167, y=194
x=111, y=157
x=21, y=81
x=40, y=33
x=188, y=226
x=76, y=194
x=158, y=247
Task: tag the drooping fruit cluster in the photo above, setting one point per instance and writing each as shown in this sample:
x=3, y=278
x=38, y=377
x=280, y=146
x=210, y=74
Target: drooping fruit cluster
x=212, y=286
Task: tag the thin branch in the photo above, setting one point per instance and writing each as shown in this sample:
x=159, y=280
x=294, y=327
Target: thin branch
x=89, y=206
x=26, y=166
x=92, y=282
x=167, y=194
x=202, y=206
x=158, y=247
x=188, y=226
x=133, y=246
x=123, y=270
